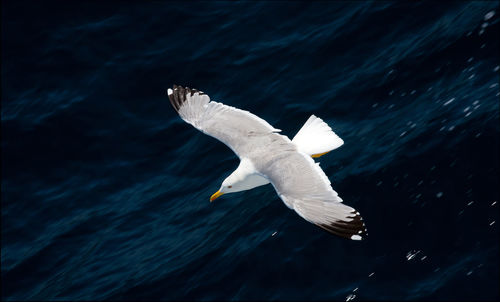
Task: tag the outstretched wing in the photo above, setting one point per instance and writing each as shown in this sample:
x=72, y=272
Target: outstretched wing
x=236, y=128
x=304, y=187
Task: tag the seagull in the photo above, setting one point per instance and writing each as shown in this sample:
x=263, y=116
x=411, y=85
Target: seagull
x=269, y=157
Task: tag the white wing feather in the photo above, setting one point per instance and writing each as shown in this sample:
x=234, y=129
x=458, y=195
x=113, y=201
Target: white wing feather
x=225, y=123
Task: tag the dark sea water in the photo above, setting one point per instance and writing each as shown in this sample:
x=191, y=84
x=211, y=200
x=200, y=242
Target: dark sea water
x=105, y=190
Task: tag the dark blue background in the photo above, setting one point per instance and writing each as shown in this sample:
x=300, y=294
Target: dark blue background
x=105, y=189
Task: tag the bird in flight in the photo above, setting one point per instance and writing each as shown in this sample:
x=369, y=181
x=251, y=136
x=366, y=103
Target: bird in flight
x=269, y=157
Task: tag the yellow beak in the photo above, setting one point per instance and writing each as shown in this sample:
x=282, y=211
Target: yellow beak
x=216, y=195
x=319, y=154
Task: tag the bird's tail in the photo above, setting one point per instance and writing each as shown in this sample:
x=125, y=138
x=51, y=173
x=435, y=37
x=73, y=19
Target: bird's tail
x=316, y=138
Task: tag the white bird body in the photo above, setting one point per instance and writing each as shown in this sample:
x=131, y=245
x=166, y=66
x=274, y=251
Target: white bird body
x=314, y=138
x=269, y=157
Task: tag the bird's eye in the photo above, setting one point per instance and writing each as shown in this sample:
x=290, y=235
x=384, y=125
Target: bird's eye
x=229, y=187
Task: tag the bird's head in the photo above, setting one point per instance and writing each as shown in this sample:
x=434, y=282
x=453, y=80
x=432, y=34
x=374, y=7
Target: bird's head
x=229, y=185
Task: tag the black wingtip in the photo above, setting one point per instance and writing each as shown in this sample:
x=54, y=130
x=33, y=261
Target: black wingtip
x=177, y=95
x=354, y=229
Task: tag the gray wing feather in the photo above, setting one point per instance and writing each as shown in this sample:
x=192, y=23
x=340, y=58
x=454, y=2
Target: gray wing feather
x=304, y=187
x=225, y=123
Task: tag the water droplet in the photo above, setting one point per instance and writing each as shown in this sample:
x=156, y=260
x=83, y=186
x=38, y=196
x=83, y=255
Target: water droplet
x=489, y=15
x=448, y=102
x=439, y=194
x=411, y=254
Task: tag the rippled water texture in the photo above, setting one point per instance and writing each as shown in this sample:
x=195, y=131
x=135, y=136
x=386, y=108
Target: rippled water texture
x=105, y=189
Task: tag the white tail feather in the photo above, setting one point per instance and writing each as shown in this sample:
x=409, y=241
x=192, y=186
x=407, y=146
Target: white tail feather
x=316, y=137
